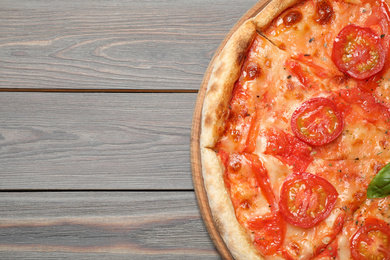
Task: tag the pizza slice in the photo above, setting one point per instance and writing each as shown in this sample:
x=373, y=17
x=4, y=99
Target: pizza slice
x=320, y=32
x=294, y=129
x=365, y=235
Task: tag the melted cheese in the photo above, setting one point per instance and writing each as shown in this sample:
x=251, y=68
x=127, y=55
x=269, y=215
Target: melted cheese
x=348, y=163
x=343, y=247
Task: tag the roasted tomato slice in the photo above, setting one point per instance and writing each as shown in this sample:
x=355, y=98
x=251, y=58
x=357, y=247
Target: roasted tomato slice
x=288, y=148
x=306, y=199
x=317, y=121
x=371, y=241
x=269, y=232
x=358, y=52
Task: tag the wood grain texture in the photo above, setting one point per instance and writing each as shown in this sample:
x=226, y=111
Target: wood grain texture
x=105, y=142
x=113, y=225
x=78, y=141
x=115, y=44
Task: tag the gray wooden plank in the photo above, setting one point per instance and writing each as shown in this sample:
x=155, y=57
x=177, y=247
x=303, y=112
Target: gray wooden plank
x=130, y=141
x=102, y=225
x=117, y=44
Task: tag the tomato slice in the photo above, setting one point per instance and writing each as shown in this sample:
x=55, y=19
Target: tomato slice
x=358, y=52
x=328, y=252
x=372, y=241
x=306, y=199
x=317, y=121
x=380, y=22
x=269, y=232
x=304, y=76
x=288, y=148
x=262, y=178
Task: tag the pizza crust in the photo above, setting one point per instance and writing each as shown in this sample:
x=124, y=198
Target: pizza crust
x=232, y=233
x=271, y=11
x=225, y=73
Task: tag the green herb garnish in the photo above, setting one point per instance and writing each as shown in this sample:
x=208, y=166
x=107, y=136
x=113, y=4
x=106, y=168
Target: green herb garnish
x=380, y=186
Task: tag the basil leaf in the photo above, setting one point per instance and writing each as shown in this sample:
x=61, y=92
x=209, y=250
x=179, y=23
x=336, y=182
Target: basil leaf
x=380, y=186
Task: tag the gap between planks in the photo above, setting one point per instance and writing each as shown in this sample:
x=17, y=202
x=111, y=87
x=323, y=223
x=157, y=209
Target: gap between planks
x=59, y=90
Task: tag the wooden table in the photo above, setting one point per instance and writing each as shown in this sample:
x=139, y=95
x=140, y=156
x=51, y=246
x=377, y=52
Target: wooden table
x=96, y=104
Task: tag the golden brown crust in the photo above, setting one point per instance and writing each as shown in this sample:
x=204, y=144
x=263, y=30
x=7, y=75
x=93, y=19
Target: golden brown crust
x=225, y=73
x=271, y=11
x=233, y=234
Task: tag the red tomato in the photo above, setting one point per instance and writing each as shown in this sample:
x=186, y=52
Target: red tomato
x=331, y=249
x=378, y=21
x=306, y=199
x=288, y=148
x=263, y=180
x=250, y=145
x=372, y=241
x=269, y=232
x=371, y=110
x=317, y=121
x=304, y=76
x=328, y=252
x=314, y=65
x=358, y=52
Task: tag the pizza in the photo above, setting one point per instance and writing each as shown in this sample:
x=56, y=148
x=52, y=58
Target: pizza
x=295, y=141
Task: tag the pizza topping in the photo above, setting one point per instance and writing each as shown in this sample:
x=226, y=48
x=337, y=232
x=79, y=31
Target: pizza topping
x=311, y=71
x=329, y=252
x=262, y=178
x=269, y=232
x=379, y=21
x=372, y=241
x=251, y=71
x=324, y=12
x=367, y=105
x=358, y=52
x=306, y=199
x=303, y=76
x=288, y=149
x=247, y=181
x=380, y=185
x=317, y=121
x=292, y=18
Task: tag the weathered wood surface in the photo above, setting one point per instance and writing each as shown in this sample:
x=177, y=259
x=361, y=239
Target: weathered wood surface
x=102, y=225
x=115, y=44
x=90, y=169
x=89, y=141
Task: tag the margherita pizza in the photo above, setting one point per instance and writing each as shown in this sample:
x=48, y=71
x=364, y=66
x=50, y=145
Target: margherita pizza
x=295, y=141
